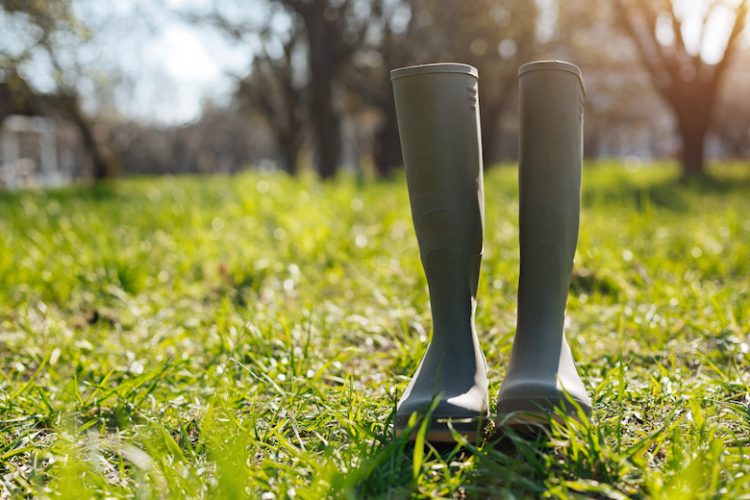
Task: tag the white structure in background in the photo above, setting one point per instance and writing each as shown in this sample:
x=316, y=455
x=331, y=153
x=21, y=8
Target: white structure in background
x=18, y=170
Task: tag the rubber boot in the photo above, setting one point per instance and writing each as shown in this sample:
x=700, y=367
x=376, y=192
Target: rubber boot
x=438, y=120
x=541, y=375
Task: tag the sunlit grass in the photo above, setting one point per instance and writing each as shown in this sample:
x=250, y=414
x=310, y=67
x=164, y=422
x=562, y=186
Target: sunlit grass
x=207, y=337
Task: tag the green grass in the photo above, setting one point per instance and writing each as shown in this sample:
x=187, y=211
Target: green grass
x=214, y=337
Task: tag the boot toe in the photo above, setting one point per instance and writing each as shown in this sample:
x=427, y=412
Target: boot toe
x=471, y=404
x=446, y=420
x=464, y=413
x=542, y=397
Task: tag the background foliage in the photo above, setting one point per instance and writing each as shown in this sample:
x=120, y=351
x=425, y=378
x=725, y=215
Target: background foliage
x=310, y=86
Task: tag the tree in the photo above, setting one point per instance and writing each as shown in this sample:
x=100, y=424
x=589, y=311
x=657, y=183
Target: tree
x=687, y=83
x=369, y=79
x=386, y=141
x=623, y=114
x=331, y=33
x=273, y=89
x=52, y=29
x=335, y=30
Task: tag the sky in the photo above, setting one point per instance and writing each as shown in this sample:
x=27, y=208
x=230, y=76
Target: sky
x=169, y=66
x=192, y=66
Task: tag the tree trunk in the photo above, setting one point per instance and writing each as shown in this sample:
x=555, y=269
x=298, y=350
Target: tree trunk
x=326, y=122
x=289, y=148
x=387, y=145
x=491, y=110
x=693, y=135
x=490, y=141
x=101, y=168
x=327, y=130
x=591, y=145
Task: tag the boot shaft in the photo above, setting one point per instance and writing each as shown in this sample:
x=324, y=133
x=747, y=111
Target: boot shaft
x=437, y=106
x=551, y=151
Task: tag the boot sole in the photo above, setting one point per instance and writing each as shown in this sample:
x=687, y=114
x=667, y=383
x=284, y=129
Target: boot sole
x=533, y=416
x=541, y=407
x=439, y=431
x=533, y=423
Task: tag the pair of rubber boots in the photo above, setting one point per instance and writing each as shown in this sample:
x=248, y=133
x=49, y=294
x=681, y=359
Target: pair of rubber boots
x=437, y=108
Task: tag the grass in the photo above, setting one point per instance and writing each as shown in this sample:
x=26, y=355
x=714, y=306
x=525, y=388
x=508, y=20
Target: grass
x=220, y=337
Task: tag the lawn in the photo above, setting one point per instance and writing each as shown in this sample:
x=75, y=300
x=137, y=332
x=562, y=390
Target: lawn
x=214, y=337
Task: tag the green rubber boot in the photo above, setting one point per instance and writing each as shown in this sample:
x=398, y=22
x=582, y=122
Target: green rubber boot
x=541, y=374
x=438, y=120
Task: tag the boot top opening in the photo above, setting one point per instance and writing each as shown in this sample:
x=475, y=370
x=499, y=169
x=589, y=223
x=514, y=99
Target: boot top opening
x=422, y=69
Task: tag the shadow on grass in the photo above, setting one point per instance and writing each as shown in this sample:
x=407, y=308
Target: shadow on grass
x=507, y=463
x=94, y=193
x=677, y=194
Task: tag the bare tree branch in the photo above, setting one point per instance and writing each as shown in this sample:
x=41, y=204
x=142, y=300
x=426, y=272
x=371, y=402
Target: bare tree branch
x=738, y=27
